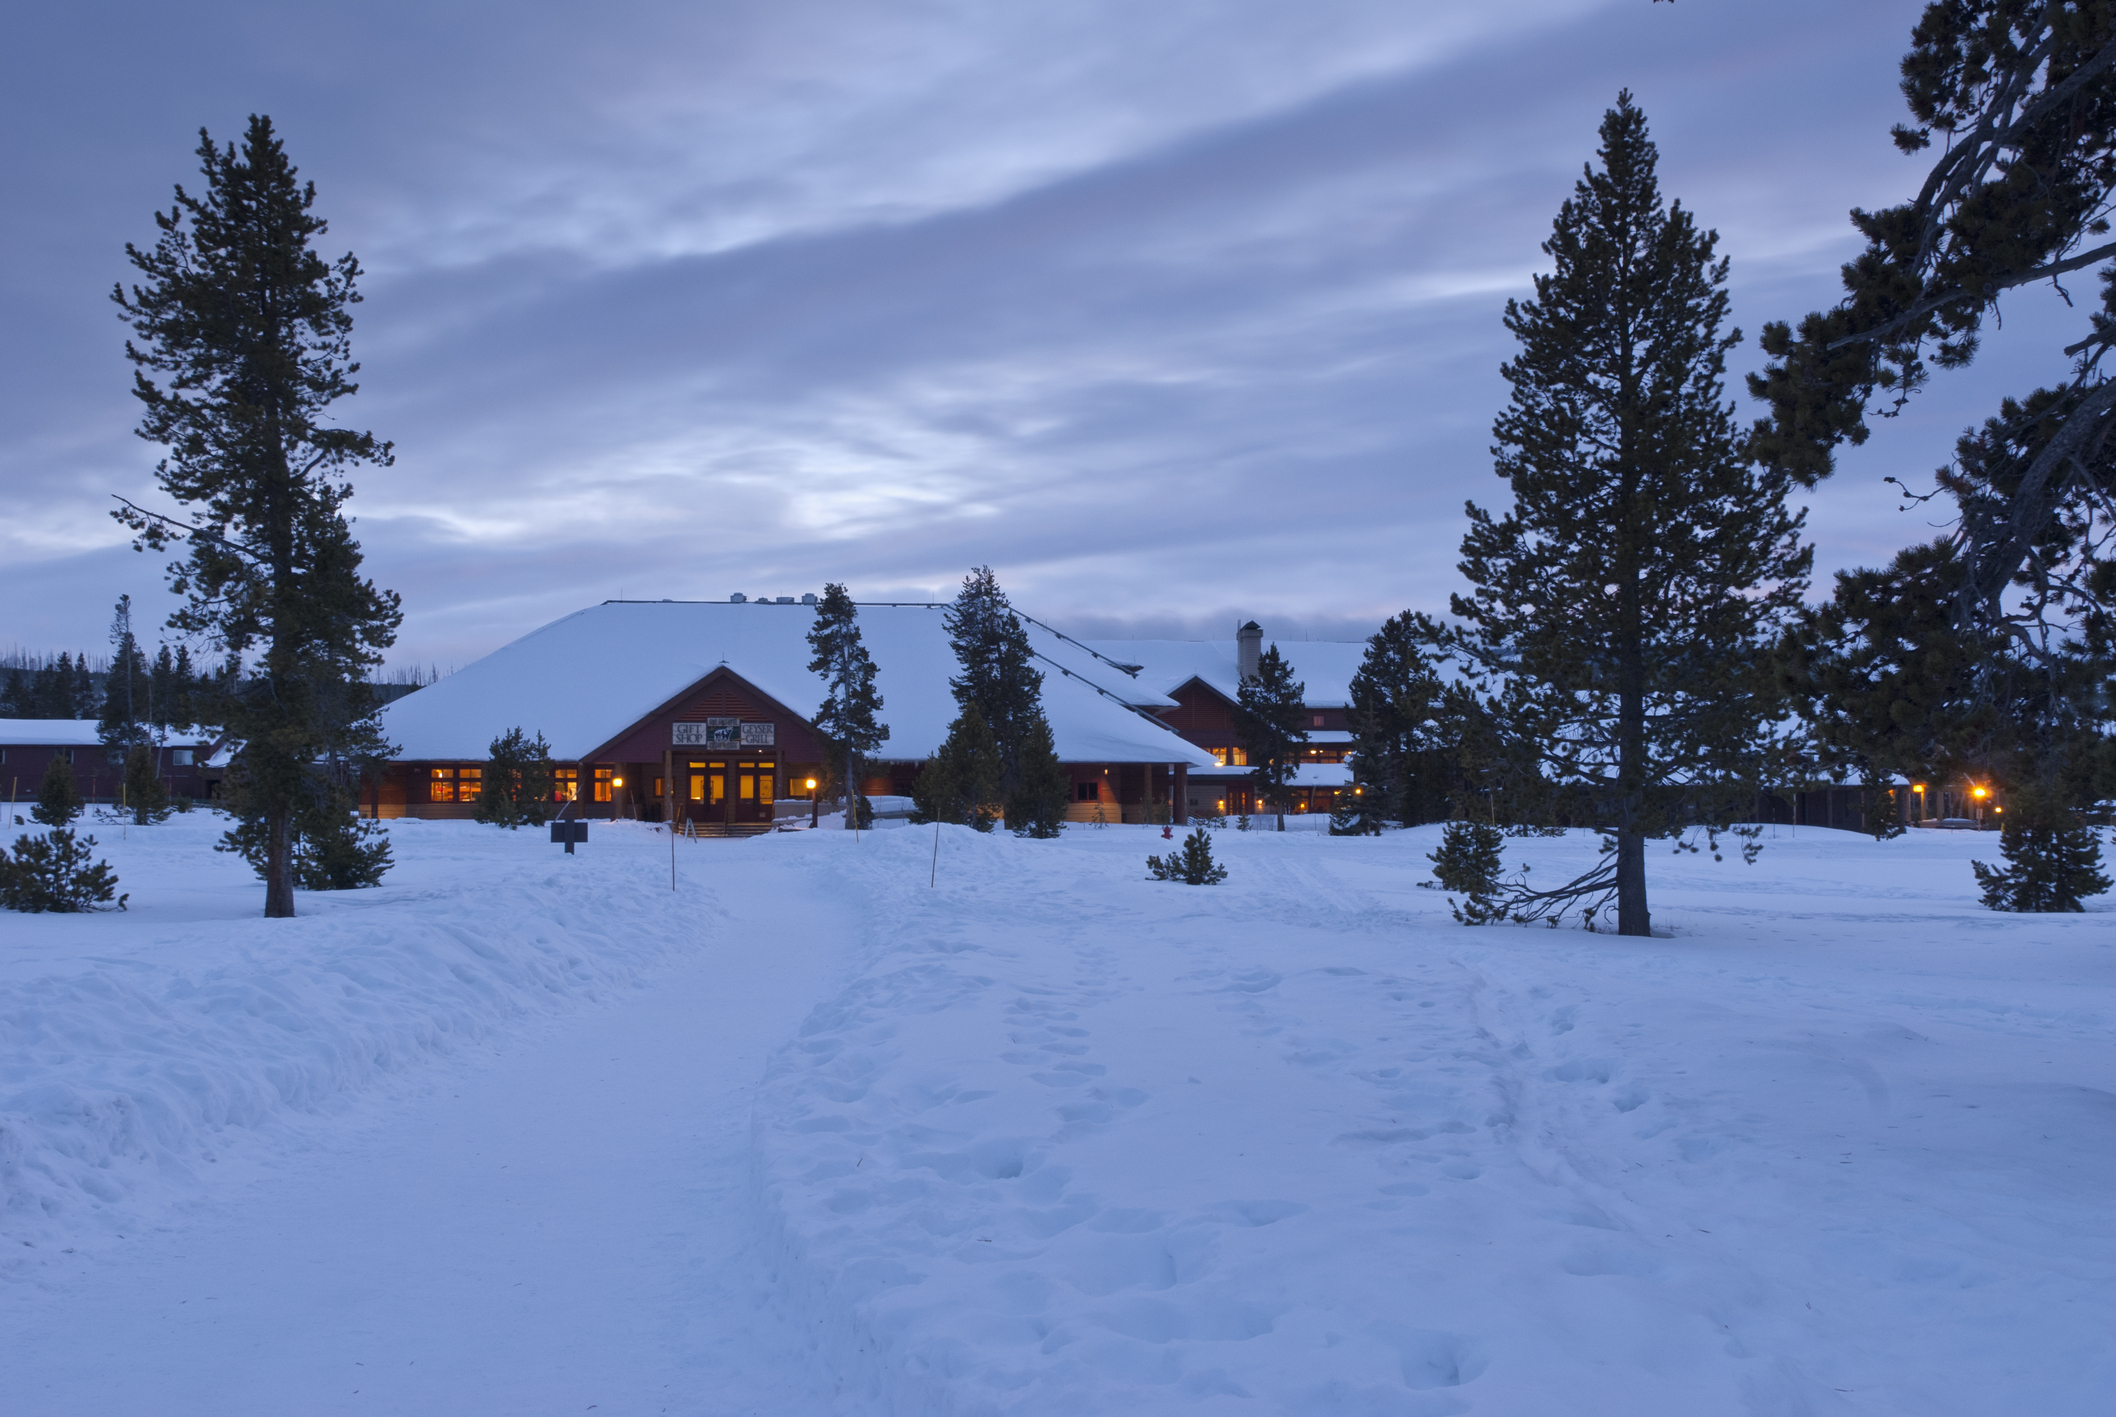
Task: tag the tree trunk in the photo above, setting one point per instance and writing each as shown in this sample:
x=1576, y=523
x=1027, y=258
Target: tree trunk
x=279, y=865
x=852, y=806
x=1631, y=916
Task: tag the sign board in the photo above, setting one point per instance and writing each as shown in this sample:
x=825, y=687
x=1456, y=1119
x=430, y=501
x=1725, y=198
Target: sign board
x=727, y=734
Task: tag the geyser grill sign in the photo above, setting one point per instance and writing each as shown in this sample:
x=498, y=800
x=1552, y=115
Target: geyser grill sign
x=724, y=733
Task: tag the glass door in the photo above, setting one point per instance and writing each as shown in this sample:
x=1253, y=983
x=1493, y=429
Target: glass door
x=753, y=791
x=707, y=792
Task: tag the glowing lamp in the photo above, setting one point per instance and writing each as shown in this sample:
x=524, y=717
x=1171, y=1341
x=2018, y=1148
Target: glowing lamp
x=1979, y=793
x=811, y=784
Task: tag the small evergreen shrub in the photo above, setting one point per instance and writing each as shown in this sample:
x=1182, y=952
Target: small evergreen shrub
x=57, y=872
x=516, y=788
x=58, y=800
x=1193, y=865
x=1468, y=862
x=2053, y=861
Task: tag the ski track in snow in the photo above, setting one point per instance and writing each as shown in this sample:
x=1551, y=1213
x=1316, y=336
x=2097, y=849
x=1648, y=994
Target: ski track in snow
x=1067, y=1140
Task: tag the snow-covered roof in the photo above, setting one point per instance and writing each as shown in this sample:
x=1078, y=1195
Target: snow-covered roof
x=583, y=680
x=81, y=733
x=1325, y=667
x=48, y=732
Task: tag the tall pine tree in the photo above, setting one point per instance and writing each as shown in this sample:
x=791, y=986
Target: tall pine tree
x=998, y=675
x=847, y=718
x=1622, y=608
x=1402, y=718
x=123, y=725
x=1269, y=716
x=244, y=343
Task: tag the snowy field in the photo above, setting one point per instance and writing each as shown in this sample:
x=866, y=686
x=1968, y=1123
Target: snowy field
x=519, y=1133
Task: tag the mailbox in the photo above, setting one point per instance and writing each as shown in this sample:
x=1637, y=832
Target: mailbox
x=569, y=832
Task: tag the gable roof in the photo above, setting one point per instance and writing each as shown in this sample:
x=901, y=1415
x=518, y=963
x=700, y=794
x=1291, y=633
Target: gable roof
x=583, y=680
x=1325, y=667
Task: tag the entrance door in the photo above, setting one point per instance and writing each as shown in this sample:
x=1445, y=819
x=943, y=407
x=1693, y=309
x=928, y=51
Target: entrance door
x=707, y=794
x=753, y=790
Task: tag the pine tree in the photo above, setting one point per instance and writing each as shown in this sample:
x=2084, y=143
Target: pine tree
x=58, y=872
x=184, y=683
x=145, y=797
x=992, y=648
x=1623, y=607
x=17, y=699
x=1269, y=714
x=123, y=724
x=1193, y=865
x=960, y=782
x=2053, y=860
x=80, y=696
x=162, y=690
x=58, y=800
x=1468, y=862
x=1405, y=731
x=1036, y=808
x=516, y=788
x=244, y=344
x=846, y=720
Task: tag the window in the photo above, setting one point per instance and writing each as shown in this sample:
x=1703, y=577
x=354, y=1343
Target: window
x=1318, y=721
x=1230, y=757
x=453, y=784
x=658, y=790
x=66, y=756
x=182, y=757
x=1086, y=792
x=602, y=783
x=565, y=784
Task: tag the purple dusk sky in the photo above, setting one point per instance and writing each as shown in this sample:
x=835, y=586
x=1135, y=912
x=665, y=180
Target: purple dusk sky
x=1172, y=313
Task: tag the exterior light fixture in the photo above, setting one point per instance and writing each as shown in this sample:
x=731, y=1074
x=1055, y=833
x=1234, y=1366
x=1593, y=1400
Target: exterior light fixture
x=1979, y=793
x=617, y=782
x=811, y=784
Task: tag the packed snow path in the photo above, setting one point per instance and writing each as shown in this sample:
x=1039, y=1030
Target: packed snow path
x=1055, y=1139
x=557, y=1220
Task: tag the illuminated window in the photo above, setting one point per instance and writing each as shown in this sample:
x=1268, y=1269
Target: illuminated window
x=602, y=783
x=565, y=784
x=764, y=787
x=1237, y=757
x=441, y=785
x=1318, y=721
x=468, y=781
x=658, y=791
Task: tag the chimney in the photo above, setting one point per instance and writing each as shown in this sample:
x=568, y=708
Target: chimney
x=1248, y=648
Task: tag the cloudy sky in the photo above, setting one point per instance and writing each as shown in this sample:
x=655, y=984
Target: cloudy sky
x=1171, y=313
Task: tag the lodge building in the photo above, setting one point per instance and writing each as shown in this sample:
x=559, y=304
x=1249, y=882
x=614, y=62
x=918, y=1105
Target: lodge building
x=185, y=762
x=701, y=712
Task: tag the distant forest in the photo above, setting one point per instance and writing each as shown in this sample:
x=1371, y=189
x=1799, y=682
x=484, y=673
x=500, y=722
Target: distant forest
x=67, y=685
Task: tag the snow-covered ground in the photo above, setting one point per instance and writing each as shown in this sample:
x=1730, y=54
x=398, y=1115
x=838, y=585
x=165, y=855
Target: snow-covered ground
x=523, y=1133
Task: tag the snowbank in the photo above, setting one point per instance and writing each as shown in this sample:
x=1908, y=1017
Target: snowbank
x=137, y=1049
